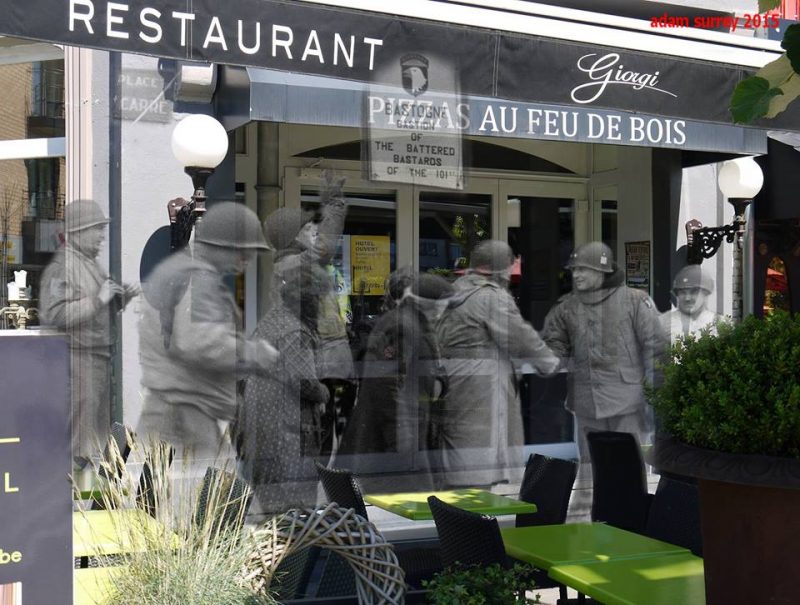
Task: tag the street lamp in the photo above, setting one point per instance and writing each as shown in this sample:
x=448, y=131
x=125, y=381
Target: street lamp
x=199, y=143
x=740, y=180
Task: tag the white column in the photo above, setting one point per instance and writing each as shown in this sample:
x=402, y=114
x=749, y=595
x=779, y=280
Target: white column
x=78, y=113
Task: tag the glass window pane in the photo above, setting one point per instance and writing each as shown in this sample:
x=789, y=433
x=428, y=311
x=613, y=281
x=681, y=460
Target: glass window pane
x=371, y=219
x=450, y=226
x=608, y=227
x=33, y=100
x=31, y=222
x=543, y=239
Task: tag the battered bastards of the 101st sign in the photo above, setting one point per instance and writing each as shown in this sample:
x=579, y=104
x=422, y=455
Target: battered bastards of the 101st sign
x=414, y=119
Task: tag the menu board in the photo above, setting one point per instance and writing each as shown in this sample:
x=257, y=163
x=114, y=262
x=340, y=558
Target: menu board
x=35, y=462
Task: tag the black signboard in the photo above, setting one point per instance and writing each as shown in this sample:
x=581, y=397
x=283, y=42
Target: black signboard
x=343, y=43
x=35, y=461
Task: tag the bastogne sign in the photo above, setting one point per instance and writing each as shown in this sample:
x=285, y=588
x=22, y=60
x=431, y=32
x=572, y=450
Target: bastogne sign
x=357, y=45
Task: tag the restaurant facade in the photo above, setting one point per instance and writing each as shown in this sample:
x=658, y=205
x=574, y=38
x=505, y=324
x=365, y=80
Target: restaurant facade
x=542, y=126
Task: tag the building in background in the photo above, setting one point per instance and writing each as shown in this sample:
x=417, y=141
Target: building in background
x=32, y=166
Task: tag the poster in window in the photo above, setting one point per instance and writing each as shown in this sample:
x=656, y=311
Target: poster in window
x=637, y=265
x=371, y=259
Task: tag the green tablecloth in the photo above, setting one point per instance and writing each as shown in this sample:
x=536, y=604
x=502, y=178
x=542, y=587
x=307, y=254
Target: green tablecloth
x=414, y=505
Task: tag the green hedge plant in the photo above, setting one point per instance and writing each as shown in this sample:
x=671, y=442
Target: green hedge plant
x=737, y=392
x=477, y=585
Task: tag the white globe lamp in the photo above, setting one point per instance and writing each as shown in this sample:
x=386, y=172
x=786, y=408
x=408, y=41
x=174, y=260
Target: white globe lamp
x=199, y=143
x=740, y=180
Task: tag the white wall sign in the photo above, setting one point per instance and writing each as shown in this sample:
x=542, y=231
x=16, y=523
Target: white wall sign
x=414, y=134
x=143, y=96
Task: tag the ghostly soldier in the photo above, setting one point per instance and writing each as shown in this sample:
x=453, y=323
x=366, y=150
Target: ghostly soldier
x=483, y=337
x=691, y=288
x=611, y=336
x=78, y=297
x=191, y=346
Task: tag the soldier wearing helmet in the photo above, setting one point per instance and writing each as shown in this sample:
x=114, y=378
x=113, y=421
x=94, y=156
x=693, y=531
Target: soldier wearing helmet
x=78, y=297
x=610, y=336
x=483, y=338
x=191, y=346
x=691, y=288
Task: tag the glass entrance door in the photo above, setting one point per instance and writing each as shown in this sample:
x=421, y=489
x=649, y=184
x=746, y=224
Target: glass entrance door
x=543, y=222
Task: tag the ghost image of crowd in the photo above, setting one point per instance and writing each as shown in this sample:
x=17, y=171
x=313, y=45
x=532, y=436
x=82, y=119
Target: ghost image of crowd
x=430, y=399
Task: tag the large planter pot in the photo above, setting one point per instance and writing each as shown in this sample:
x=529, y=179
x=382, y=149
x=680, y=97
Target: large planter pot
x=750, y=514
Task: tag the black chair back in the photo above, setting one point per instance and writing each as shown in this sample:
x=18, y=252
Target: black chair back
x=154, y=470
x=337, y=578
x=226, y=495
x=547, y=483
x=675, y=515
x=341, y=487
x=467, y=538
x=619, y=494
x=293, y=574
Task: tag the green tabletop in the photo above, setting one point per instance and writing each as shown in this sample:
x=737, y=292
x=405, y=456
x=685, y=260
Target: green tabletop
x=109, y=532
x=664, y=580
x=548, y=545
x=414, y=505
x=92, y=585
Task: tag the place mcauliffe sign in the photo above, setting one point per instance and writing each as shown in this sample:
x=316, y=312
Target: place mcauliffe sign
x=307, y=38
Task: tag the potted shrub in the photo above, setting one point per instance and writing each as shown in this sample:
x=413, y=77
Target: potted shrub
x=729, y=415
x=477, y=585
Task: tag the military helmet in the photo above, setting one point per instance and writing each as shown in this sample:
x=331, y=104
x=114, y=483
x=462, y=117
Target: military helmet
x=283, y=225
x=594, y=255
x=692, y=276
x=82, y=214
x=491, y=256
x=231, y=225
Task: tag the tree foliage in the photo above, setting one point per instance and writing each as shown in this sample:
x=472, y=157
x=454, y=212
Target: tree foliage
x=774, y=86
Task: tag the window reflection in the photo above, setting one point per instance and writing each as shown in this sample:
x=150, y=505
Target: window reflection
x=451, y=225
x=776, y=296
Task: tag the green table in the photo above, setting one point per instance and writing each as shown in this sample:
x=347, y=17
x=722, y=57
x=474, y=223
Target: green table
x=414, y=505
x=92, y=585
x=547, y=545
x=663, y=580
x=110, y=532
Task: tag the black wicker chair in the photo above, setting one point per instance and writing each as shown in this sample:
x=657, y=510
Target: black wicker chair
x=341, y=487
x=619, y=495
x=418, y=563
x=293, y=575
x=146, y=498
x=227, y=494
x=467, y=538
x=675, y=515
x=547, y=483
